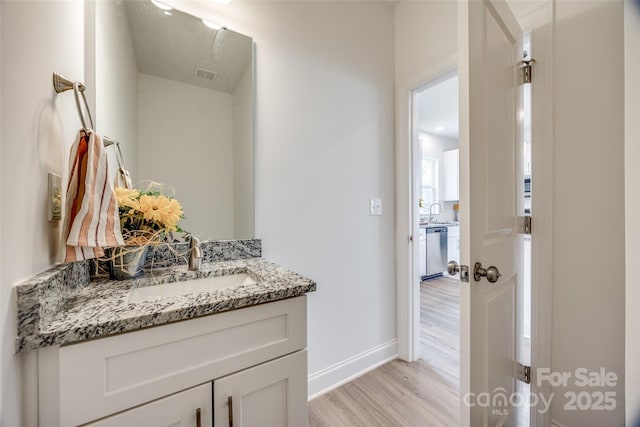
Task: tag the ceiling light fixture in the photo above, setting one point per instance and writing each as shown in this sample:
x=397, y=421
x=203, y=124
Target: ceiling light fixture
x=439, y=128
x=162, y=6
x=211, y=25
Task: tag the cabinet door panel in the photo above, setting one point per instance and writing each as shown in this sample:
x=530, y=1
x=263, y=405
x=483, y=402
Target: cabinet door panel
x=273, y=394
x=178, y=410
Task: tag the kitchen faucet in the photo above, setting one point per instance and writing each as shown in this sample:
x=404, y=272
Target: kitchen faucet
x=431, y=213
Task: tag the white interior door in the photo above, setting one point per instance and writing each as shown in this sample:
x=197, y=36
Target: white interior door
x=490, y=49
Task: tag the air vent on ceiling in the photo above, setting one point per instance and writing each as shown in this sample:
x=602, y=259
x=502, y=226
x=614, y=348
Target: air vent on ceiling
x=201, y=73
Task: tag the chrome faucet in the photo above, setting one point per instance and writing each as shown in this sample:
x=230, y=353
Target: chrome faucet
x=431, y=213
x=195, y=254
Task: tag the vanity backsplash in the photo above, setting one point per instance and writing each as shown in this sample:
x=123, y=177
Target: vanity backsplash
x=169, y=255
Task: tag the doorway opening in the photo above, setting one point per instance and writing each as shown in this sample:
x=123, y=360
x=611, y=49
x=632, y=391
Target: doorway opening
x=435, y=208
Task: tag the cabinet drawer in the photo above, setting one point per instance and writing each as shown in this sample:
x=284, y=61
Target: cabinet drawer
x=109, y=375
x=180, y=409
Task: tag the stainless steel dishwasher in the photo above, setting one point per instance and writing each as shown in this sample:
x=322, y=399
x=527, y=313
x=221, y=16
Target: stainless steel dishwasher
x=436, y=251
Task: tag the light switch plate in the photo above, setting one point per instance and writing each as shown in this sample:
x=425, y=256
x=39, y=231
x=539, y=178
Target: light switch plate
x=55, y=197
x=375, y=206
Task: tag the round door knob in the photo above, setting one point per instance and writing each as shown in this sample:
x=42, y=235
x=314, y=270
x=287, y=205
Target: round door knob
x=453, y=268
x=491, y=273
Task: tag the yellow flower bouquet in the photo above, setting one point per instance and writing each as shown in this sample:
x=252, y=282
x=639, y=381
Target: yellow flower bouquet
x=147, y=218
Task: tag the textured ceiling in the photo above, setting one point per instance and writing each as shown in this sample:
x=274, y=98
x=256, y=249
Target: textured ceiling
x=173, y=46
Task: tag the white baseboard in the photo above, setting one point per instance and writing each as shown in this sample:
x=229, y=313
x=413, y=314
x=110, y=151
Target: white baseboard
x=341, y=373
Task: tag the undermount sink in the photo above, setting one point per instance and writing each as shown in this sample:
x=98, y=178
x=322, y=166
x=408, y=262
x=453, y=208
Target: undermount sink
x=195, y=286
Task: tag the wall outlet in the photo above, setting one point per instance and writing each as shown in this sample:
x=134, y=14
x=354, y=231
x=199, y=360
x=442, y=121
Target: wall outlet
x=55, y=197
x=375, y=206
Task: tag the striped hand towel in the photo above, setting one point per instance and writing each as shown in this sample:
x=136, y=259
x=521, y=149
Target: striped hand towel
x=92, y=220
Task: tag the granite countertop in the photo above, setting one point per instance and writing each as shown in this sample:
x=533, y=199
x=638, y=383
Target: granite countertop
x=52, y=312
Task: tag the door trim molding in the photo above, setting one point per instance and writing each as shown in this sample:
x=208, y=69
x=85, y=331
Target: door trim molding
x=407, y=266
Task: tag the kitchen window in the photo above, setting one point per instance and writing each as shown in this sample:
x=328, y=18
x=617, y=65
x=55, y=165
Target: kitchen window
x=430, y=175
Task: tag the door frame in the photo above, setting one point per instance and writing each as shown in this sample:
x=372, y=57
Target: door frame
x=538, y=22
x=407, y=250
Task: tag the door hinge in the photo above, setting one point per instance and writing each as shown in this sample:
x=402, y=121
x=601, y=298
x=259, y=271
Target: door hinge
x=526, y=71
x=524, y=373
x=524, y=224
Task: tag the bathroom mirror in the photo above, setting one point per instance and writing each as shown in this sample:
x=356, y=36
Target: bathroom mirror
x=177, y=93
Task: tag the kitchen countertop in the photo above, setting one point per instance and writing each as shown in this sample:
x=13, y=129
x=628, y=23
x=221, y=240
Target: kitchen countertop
x=80, y=309
x=445, y=224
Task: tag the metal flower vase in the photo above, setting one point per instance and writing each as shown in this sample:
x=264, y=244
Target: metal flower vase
x=127, y=262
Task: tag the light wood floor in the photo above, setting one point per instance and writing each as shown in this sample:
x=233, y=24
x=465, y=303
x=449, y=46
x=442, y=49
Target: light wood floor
x=423, y=393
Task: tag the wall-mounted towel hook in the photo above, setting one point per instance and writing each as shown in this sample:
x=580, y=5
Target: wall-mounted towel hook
x=110, y=141
x=62, y=84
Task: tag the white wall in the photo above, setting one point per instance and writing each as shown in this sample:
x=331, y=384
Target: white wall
x=588, y=205
x=190, y=127
x=243, y=194
x=116, y=78
x=324, y=147
x=425, y=36
x=632, y=199
x=38, y=127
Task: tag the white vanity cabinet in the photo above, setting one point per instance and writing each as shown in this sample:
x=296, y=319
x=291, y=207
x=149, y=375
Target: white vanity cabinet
x=163, y=375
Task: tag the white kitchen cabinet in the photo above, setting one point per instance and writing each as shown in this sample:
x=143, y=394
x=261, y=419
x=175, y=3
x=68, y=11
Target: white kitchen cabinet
x=188, y=408
x=453, y=243
x=121, y=379
x=451, y=169
x=422, y=252
x=272, y=394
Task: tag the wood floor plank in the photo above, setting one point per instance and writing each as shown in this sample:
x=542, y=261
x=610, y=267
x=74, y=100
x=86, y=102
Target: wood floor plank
x=399, y=394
